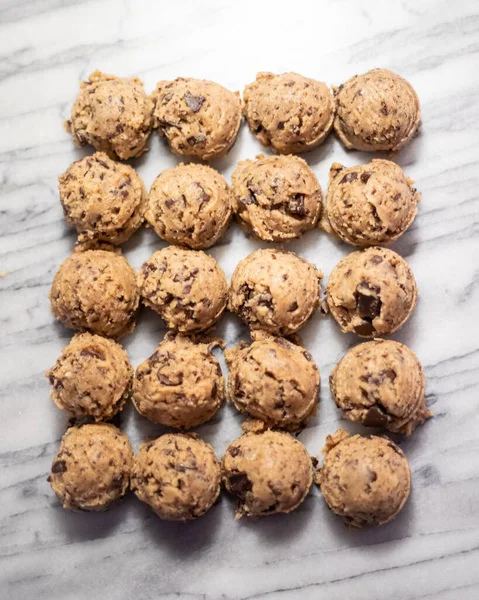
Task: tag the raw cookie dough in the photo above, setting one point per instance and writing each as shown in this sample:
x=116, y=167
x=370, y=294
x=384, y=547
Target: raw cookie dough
x=372, y=292
x=269, y=472
x=365, y=480
x=289, y=112
x=275, y=291
x=92, y=467
x=96, y=290
x=187, y=288
x=370, y=204
x=180, y=385
x=277, y=197
x=177, y=475
x=273, y=380
x=381, y=384
x=198, y=118
x=104, y=200
x=190, y=205
x=376, y=111
x=92, y=377
x=112, y=114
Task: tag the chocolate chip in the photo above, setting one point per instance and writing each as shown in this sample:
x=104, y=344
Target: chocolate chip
x=93, y=352
x=365, y=328
x=384, y=108
x=59, y=466
x=194, y=102
x=204, y=197
x=296, y=206
x=397, y=196
x=376, y=259
x=119, y=128
x=239, y=484
x=388, y=374
x=196, y=140
x=349, y=177
x=234, y=451
x=169, y=202
x=163, y=123
x=166, y=98
x=368, y=306
x=171, y=381
x=293, y=306
x=375, y=418
x=102, y=163
x=365, y=176
x=281, y=125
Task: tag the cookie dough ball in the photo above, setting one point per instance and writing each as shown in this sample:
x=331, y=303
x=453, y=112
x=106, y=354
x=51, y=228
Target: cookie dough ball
x=370, y=204
x=381, y=384
x=289, y=112
x=371, y=292
x=112, y=114
x=190, y=205
x=273, y=380
x=198, y=118
x=96, y=290
x=275, y=291
x=269, y=472
x=180, y=385
x=376, y=111
x=92, y=467
x=177, y=475
x=277, y=197
x=365, y=480
x=102, y=199
x=187, y=288
x=92, y=377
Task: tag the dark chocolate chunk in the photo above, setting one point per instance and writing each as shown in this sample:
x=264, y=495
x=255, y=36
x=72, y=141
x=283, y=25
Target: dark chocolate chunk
x=293, y=306
x=365, y=176
x=234, y=451
x=296, y=206
x=365, y=328
x=196, y=140
x=375, y=418
x=93, y=352
x=349, y=177
x=165, y=380
x=239, y=484
x=384, y=108
x=102, y=163
x=194, y=102
x=376, y=259
x=368, y=306
x=59, y=466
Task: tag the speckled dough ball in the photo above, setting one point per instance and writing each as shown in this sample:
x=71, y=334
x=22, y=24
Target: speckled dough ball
x=376, y=111
x=365, y=480
x=269, y=472
x=92, y=467
x=288, y=112
x=370, y=204
x=92, y=377
x=96, y=290
x=275, y=291
x=371, y=292
x=177, y=475
x=277, y=197
x=112, y=114
x=102, y=199
x=381, y=384
x=198, y=118
x=190, y=205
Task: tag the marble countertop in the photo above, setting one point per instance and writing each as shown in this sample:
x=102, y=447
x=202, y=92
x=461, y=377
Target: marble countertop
x=432, y=549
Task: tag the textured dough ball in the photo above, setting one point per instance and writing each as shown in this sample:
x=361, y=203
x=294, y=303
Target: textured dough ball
x=381, y=384
x=96, y=290
x=273, y=380
x=112, y=114
x=275, y=291
x=376, y=111
x=372, y=292
x=198, y=118
x=289, y=112
x=277, y=197
x=269, y=472
x=370, y=204
x=180, y=385
x=187, y=288
x=177, y=475
x=190, y=205
x=92, y=377
x=92, y=467
x=102, y=199
x=365, y=480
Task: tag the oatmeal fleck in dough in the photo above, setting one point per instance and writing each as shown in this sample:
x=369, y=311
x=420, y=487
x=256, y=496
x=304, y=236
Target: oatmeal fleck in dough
x=177, y=475
x=277, y=197
x=198, y=118
x=112, y=114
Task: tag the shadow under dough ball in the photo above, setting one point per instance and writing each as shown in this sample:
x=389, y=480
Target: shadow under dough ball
x=177, y=475
x=371, y=292
x=113, y=114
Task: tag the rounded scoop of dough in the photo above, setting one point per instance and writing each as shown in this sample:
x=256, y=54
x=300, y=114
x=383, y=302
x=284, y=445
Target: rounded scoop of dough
x=190, y=205
x=92, y=467
x=277, y=197
x=198, y=118
x=96, y=290
x=370, y=204
x=275, y=291
x=376, y=111
x=177, y=475
x=112, y=114
x=371, y=292
x=289, y=112
x=269, y=472
x=365, y=480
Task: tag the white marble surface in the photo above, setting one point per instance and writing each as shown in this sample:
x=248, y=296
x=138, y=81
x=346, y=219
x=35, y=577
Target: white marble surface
x=432, y=549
